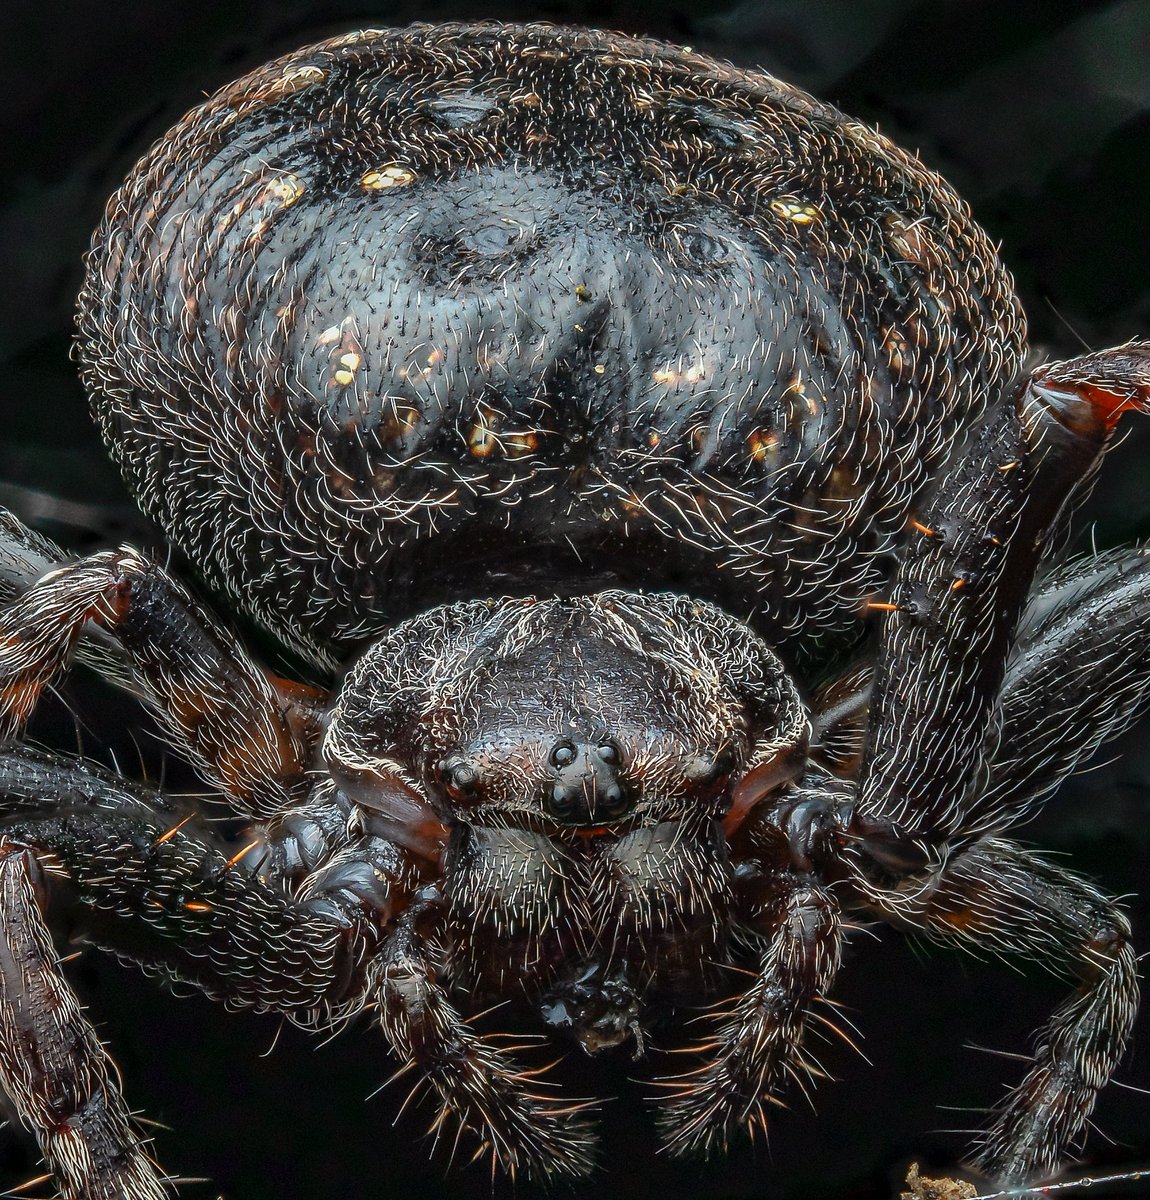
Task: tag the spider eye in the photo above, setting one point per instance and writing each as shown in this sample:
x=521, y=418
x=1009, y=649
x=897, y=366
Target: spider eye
x=608, y=753
x=563, y=754
x=564, y=803
x=615, y=801
x=705, y=769
x=460, y=777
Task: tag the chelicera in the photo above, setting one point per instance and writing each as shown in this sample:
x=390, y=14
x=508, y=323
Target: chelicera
x=648, y=454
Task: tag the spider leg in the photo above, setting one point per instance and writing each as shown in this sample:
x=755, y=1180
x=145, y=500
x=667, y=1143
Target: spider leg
x=61, y=1081
x=150, y=882
x=757, y=1045
x=147, y=881
x=246, y=734
x=25, y=556
x=1000, y=897
x=479, y=1089
x=1079, y=676
x=153, y=886
x=960, y=590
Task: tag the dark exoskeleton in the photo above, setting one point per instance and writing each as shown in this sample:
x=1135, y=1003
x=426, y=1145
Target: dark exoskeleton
x=724, y=397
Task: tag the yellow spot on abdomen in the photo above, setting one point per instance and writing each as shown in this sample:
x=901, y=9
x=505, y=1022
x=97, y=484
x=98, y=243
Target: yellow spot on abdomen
x=762, y=443
x=391, y=176
x=287, y=189
x=796, y=211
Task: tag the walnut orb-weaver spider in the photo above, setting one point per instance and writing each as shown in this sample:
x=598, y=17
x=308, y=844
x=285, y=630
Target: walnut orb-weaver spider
x=580, y=322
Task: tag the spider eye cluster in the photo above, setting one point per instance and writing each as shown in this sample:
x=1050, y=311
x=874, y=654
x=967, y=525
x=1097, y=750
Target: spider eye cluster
x=587, y=785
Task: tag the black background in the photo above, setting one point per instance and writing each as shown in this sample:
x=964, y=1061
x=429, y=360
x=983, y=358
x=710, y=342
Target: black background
x=1037, y=112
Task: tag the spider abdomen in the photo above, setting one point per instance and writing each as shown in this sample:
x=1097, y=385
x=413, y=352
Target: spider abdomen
x=419, y=315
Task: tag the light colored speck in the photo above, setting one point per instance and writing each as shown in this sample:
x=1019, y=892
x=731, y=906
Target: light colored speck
x=387, y=177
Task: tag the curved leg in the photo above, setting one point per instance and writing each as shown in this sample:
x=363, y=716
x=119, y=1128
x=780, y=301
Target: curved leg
x=998, y=897
x=250, y=737
x=961, y=588
x=757, y=1047
x=479, y=1090
x=152, y=884
x=1080, y=675
x=60, y=1079
x=149, y=882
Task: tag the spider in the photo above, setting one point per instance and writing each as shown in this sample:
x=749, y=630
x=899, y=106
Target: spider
x=650, y=454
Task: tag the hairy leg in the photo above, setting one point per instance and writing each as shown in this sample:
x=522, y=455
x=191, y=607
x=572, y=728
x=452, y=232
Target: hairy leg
x=147, y=880
x=757, y=1048
x=961, y=587
x=1078, y=676
x=60, y=1079
x=998, y=897
x=479, y=1089
x=248, y=733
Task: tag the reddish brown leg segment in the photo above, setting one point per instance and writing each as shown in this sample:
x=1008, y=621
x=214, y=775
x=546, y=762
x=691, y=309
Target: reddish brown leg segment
x=52, y=1065
x=221, y=709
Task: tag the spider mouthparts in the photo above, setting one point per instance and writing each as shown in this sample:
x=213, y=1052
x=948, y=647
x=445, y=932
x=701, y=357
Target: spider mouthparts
x=598, y=1012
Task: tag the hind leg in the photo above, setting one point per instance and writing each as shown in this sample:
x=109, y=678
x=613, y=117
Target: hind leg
x=998, y=897
x=52, y=1065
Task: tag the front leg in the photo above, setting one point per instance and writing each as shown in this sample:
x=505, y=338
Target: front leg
x=148, y=880
x=960, y=588
x=757, y=1047
x=479, y=1089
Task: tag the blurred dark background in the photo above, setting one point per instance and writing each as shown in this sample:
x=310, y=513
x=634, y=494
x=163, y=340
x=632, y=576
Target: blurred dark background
x=1038, y=113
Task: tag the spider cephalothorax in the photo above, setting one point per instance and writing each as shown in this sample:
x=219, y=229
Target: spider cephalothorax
x=563, y=714
x=566, y=764
x=720, y=397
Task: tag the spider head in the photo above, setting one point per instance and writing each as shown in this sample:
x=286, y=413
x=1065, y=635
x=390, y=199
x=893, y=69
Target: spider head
x=573, y=717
